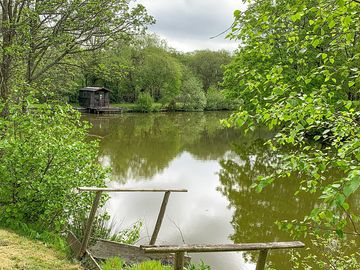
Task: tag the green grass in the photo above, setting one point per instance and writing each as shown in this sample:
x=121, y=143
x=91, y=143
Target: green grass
x=116, y=263
x=20, y=252
x=133, y=106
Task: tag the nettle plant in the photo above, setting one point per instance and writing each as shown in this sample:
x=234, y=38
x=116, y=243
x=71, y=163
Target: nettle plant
x=297, y=72
x=45, y=155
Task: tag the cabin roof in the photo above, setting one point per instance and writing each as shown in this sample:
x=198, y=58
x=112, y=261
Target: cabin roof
x=94, y=89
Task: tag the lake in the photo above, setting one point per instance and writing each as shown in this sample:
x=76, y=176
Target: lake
x=216, y=165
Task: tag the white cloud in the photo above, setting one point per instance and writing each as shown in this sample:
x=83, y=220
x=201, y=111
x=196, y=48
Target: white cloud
x=187, y=25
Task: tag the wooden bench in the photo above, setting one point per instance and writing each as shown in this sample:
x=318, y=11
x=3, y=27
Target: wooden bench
x=180, y=250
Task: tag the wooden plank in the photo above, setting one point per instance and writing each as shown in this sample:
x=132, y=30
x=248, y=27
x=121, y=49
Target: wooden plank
x=73, y=242
x=88, y=260
x=262, y=259
x=104, y=249
x=89, y=224
x=222, y=248
x=160, y=218
x=179, y=261
x=95, y=189
x=93, y=263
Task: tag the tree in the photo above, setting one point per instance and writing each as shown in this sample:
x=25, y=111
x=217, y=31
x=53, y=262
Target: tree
x=159, y=74
x=192, y=95
x=297, y=72
x=38, y=35
x=207, y=65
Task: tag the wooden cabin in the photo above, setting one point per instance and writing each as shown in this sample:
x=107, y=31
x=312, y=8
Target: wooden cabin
x=94, y=97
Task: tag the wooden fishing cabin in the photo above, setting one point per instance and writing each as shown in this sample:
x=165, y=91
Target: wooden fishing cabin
x=96, y=100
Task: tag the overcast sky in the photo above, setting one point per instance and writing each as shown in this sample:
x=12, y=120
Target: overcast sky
x=187, y=25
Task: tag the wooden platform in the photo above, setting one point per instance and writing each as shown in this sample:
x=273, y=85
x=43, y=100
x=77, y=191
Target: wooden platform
x=104, y=249
x=107, y=110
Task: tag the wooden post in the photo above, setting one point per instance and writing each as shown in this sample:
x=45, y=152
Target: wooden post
x=261, y=260
x=179, y=261
x=160, y=218
x=89, y=225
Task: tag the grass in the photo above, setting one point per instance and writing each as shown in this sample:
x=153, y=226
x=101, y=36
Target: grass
x=133, y=106
x=116, y=263
x=22, y=253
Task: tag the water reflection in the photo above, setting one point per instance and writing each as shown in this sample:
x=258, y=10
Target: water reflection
x=217, y=166
x=138, y=146
x=255, y=213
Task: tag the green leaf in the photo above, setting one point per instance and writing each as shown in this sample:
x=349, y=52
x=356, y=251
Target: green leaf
x=315, y=43
x=331, y=24
x=352, y=186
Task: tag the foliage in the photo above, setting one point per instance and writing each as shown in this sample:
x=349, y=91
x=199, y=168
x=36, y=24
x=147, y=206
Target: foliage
x=192, y=94
x=216, y=100
x=147, y=64
x=126, y=236
x=38, y=36
x=296, y=72
x=207, y=65
x=144, y=102
x=150, y=265
x=334, y=254
x=116, y=263
x=45, y=154
x=201, y=266
x=160, y=74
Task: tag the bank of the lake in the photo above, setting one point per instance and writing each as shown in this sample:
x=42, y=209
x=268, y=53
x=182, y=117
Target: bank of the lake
x=20, y=252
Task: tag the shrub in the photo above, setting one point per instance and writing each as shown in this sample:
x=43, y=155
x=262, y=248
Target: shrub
x=114, y=263
x=216, y=100
x=45, y=154
x=192, y=94
x=145, y=102
x=150, y=265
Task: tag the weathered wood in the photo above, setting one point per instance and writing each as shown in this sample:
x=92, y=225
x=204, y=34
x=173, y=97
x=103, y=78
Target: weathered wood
x=89, y=224
x=93, y=263
x=104, y=249
x=88, y=260
x=222, y=248
x=160, y=218
x=179, y=261
x=95, y=189
x=262, y=259
x=73, y=242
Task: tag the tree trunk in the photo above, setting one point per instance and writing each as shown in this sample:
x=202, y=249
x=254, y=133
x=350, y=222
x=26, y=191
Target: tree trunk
x=5, y=65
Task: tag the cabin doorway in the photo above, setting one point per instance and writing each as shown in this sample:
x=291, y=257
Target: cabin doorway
x=101, y=99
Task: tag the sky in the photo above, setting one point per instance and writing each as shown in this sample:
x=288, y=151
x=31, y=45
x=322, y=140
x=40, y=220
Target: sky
x=187, y=25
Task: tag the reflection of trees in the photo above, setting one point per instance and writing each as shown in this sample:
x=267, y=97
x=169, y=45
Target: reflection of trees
x=255, y=213
x=141, y=145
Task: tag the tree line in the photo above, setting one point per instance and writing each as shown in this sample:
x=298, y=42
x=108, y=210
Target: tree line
x=146, y=68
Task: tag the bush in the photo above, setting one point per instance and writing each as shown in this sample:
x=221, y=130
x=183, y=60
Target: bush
x=145, y=102
x=333, y=253
x=116, y=263
x=45, y=154
x=192, y=94
x=216, y=100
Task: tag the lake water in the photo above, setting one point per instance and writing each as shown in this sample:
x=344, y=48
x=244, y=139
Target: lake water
x=216, y=165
